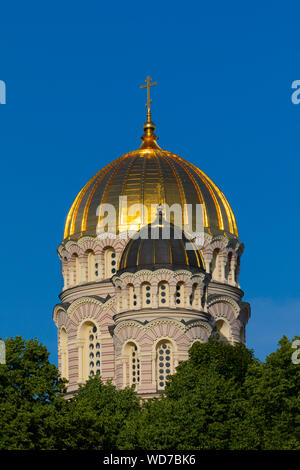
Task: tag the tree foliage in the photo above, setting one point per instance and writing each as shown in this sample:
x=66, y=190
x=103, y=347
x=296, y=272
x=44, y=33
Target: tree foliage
x=31, y=395
x=220, y=398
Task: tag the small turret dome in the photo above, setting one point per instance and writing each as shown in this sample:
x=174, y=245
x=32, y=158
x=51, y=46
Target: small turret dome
x=160, y=245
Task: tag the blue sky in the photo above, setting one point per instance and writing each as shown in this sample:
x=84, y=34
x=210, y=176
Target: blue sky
x=223, y=101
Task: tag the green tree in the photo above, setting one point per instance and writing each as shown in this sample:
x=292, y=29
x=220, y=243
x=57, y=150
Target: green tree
x=97, y=414
x=31, y=397
x=273, y=398
x=203, y=407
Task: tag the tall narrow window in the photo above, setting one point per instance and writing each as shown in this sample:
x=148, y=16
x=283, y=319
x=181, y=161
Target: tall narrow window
x=194, y=297
x=75, y=277
x=64, y=353
x=237, y=270
x=131, y=297
x=146, y=295
x=91, y=360
x=164, y=363
x=215, y=264
x=65, y=272
x=179, y=295
x=223, y=330
x=78, y=270
x=163, y=294
x=228, y=267
x=110, y=262
x=133, y=364
x=91, y=266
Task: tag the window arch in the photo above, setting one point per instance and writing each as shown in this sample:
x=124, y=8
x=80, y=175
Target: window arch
x=179, y=295
x=110, y=262
x=75, y=269
x=133, y=366
x=65, y=272
x=64, y=356
x=131, y=297
x=237, y=269
x=215, y=264
x=146, y=295
x=164, y=363
x=91, y=350
x=194, y=298
x=163, y=294
x=119, y=298
x=228, y=266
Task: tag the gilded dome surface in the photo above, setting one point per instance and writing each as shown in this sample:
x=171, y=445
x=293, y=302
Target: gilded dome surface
x=149, y=176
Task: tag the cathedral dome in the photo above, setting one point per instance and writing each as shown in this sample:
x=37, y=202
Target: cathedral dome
x=160, y=245
x=149, y=176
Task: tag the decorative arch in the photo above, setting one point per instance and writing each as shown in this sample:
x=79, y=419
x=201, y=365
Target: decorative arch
x=226, y=309
x=164, y=362
x=89, y=350
x=131, y=364
x=110, y=262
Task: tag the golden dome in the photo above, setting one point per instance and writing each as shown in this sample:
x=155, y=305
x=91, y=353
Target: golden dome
x=149, y=176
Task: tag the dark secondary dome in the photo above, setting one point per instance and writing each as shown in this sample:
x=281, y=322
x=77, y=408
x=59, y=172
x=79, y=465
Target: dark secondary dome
x=149, y=176
x=160, y=245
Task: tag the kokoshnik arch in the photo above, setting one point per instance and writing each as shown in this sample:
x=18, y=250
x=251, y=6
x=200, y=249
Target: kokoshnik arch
x=131, y=307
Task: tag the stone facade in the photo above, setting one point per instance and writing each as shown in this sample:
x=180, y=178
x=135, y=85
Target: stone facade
x=116, y=325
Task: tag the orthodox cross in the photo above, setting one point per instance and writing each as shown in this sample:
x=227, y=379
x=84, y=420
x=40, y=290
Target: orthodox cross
x=149, y=100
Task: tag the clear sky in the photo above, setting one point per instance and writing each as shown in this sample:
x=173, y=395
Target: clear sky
x=223, y=102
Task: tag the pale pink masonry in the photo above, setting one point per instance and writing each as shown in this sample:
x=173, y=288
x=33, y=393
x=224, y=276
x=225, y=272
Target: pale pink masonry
x=133, y=327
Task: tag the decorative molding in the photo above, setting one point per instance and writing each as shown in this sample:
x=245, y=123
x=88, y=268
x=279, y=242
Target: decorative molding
x=90, y=300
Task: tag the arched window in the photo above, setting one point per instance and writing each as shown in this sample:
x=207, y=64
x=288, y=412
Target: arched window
x=75, y=269
x=64, y=359
x=163, y=294
x=215, y=265
x=133, y=370
x=119, y=299
x=164, y=363
x=92, y=269
x=91, y=350
x=194, y=298
x=237, y=270
x=179, y=296
x=146, y=295
x=110, y=262
x=223, y=330
x=131, y=297
x=65, y=272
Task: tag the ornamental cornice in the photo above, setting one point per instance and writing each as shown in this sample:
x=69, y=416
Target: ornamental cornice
x=126, y=324
x=156, y=273
x=200, y=323
x=149, y=325
x=90, y=300
x=82, y=241
x=70, y=243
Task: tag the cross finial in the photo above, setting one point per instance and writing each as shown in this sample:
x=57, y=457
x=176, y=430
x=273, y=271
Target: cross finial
x=149, y=100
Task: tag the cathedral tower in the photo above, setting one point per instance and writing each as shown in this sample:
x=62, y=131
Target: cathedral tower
x=139, y=289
